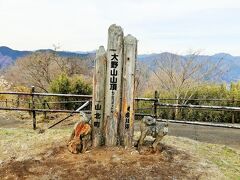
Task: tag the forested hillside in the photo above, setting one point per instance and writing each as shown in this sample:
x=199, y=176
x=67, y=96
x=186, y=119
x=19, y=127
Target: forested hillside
x=230, y=64
x=182, y=77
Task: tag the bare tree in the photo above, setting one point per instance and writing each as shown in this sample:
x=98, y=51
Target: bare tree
x=180, y=76
x=141, y=78
x=42, y=67
x=35, y=69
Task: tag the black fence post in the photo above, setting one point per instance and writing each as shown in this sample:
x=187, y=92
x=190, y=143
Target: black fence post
x=155, y=104
x=44, y=107
x=233, y=113
x=33, y=107
x=29, y=106
x=18, y=101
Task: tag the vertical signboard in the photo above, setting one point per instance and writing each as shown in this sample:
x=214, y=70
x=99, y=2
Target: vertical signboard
x=128, y=88
x=99, y=83
x=113, y=85
x=113, y=90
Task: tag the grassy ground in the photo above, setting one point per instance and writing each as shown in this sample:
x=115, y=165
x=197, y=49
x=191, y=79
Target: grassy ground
x=27, y=147
x=15, y=142
x=225, y=158
x=23, y=144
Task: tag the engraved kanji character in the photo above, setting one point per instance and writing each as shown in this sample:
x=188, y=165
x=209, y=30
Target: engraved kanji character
x=114, y=57
x=113, y=79
x=113, y=86
x=98, y=107
x=96, y=124
x=114, y=72
x=97, y=115
x=114, y=64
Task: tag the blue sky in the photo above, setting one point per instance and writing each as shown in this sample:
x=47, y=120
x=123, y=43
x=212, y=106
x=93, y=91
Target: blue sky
x=179, y=26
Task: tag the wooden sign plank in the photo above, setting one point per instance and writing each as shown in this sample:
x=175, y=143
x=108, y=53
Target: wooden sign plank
x=128, y=91
x=113, y=84
x=99, y=83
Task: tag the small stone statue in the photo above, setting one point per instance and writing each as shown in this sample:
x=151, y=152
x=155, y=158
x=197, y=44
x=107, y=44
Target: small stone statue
x=149, y=126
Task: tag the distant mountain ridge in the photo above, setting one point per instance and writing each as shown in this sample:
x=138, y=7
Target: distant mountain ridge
x=8, y=56
x=15, y=54
x=230, y=63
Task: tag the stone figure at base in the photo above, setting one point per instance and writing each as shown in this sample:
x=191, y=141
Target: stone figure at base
x=149, y=126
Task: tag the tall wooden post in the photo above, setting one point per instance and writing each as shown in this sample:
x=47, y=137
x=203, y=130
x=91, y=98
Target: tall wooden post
x=33, y=108
x=113, y=90
x=99, y=83
x=128, y=88
x=113, y=84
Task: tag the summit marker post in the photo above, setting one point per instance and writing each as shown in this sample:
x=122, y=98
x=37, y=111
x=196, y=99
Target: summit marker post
x=113, y=84
x=98, y=102
x=113, y=89
x=128, y=91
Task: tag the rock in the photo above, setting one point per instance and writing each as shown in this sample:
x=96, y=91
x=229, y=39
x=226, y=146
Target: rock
x=138, y=164
x=48, y=154
x=93, y=178
x=38, y=158
x=134, y=152
x=40, y=131
x=115, y=159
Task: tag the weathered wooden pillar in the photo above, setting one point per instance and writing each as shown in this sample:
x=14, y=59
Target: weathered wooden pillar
x=128, y=81
x=113, y=85
x=98, y=97
x=113, y=90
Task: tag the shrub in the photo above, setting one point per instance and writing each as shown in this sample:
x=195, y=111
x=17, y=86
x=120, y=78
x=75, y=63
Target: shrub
x=61, y=84
x=70, y=85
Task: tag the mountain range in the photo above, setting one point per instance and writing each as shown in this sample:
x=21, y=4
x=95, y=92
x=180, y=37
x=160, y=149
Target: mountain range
x=8, y=56
x=232, y=63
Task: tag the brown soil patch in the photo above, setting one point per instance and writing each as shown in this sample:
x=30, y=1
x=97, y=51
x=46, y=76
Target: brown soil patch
x=103, y=163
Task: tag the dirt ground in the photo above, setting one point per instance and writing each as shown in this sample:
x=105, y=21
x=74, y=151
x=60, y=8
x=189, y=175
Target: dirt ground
x=110, y=163
x=26, y=154
x=104, y=163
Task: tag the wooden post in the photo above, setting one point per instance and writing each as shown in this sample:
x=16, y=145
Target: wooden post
x=44, y=107
x=155, y=104
x=99, y=83
x=126, y=127
x=29, y=106
x=18, y=102
x=6, y=102
x=113, y=85
x=233, y=117
x=33, y=107
x=233, y=113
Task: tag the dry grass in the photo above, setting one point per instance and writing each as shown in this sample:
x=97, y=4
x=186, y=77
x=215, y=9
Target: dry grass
x=225, y=158
x=22, y=144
